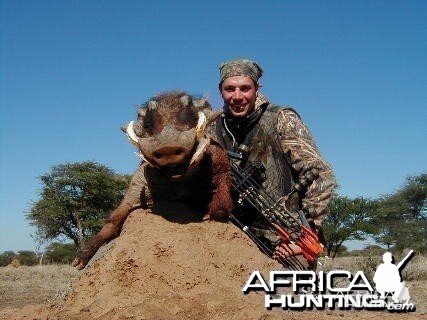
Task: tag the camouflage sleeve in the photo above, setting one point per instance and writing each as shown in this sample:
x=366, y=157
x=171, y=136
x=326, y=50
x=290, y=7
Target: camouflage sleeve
x=138, y=193
x=299, y=146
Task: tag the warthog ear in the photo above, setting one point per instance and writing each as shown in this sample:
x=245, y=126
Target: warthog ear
x=205, y=107
x=137, y=127
x=201, y=103
x=141, y=112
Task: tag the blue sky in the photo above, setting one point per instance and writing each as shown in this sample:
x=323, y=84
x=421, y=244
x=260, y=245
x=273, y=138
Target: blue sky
x=73, y=71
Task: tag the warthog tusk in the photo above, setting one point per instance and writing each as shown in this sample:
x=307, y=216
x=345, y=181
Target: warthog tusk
x=201, y=125
x=131, y=134
x=203, y=143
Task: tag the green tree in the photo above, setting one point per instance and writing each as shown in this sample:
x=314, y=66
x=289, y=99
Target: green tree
x=6, y=257
x=402, y=216
x=58, y=252
x=348, y=219
x=74, y=200
x=27, y=258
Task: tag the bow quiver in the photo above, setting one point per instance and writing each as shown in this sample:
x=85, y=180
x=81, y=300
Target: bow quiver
x=283, y=222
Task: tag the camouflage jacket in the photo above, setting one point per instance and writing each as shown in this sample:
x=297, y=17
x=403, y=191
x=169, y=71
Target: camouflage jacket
x=300, y=150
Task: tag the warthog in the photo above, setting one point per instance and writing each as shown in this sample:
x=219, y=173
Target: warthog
x=180, y=162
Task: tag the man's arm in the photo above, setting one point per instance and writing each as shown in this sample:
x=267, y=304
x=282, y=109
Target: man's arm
x=299, y=146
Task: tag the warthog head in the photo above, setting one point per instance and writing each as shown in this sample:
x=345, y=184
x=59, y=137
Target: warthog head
x=170, y=131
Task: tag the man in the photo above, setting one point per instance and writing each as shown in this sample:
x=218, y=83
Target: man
x=277, y=138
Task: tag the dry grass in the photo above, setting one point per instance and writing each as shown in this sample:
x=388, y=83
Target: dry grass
x=43, y=284
x=34, y=285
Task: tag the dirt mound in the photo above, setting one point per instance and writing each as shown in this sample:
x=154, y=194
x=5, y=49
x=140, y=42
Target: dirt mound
x=173, y=266
x=170, y=266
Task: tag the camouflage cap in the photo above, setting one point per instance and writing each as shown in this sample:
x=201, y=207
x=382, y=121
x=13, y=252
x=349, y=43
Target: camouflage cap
x=240, y=67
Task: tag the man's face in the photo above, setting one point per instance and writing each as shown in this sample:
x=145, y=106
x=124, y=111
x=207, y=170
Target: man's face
x=239, y=94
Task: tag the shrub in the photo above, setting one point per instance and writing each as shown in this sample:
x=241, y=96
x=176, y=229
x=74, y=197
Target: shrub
x=60, y=253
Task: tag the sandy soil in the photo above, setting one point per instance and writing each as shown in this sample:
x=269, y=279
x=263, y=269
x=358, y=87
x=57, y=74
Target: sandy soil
x=172, y=266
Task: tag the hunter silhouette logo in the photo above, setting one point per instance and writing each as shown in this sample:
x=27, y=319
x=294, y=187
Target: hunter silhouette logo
x=388, y=278
x=325, y=289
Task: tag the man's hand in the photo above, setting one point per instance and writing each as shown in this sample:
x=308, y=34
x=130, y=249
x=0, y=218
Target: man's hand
x=284, y=251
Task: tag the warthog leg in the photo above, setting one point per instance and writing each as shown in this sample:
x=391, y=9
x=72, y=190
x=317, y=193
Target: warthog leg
x=108, y=232
x=222, y=204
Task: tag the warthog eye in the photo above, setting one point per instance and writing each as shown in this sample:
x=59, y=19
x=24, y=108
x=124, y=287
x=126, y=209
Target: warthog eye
x=153, y=122
x=157, y=155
